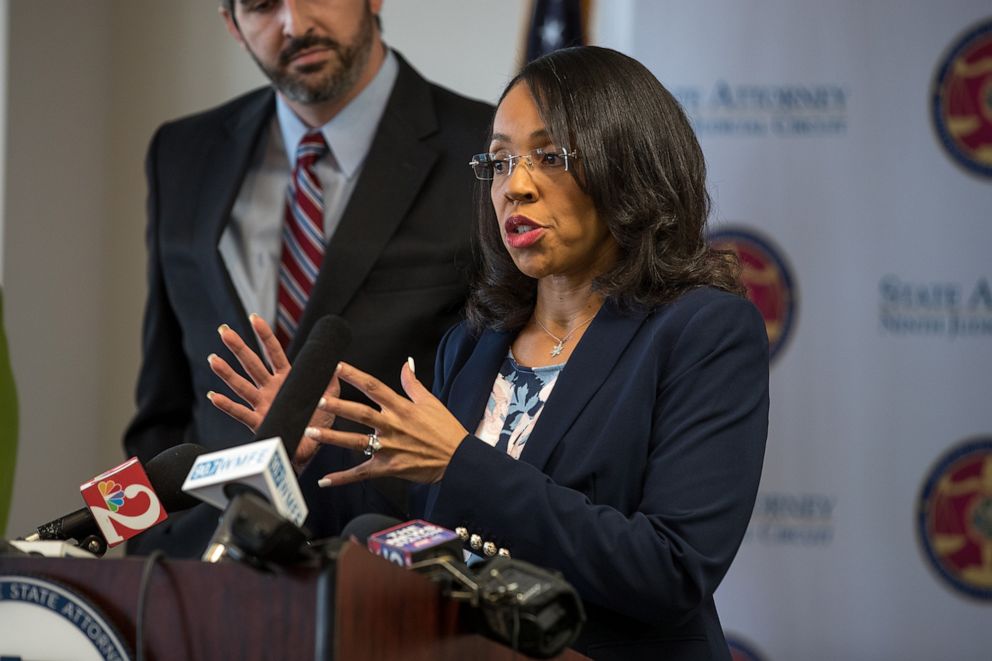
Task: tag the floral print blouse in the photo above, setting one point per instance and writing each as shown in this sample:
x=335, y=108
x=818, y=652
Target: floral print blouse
x=518, y=397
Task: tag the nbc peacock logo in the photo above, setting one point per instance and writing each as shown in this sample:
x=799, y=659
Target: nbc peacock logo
x=113, y=494
x=954, y=517
x=961, y=99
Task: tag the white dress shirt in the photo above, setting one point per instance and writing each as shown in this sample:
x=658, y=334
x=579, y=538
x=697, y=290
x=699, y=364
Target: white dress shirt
x=251, y=244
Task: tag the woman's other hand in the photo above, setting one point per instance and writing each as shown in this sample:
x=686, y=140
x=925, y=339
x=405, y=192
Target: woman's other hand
x=418, y=435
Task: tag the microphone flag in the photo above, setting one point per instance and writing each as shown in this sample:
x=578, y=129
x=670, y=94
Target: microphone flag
x=262, y=465
x=123, y=502
x=414, y=541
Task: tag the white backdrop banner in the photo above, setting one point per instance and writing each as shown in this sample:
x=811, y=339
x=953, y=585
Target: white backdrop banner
x=849, y=146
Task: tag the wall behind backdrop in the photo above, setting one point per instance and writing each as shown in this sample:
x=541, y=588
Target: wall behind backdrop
x=850, y=155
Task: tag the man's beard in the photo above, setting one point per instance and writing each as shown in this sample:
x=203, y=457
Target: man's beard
x=337, y=80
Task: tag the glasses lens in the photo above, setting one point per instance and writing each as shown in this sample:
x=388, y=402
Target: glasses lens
x=482, y=165
x=552, y=158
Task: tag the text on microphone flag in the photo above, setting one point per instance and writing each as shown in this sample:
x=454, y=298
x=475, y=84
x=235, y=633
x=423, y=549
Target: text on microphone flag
x=123, y=502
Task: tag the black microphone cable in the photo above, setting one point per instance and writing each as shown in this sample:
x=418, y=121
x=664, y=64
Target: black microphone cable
x=139, y=626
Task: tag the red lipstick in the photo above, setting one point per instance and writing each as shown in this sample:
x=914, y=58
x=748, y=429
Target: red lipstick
x=521, y=231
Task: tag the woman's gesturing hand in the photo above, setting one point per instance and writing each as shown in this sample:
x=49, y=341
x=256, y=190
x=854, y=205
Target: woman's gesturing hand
x=418, y=435
x=265, y=381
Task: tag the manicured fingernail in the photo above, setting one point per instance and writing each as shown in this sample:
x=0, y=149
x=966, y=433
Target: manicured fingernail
x=210, y=395
x=324, y=482
x=413, y=365
x=253, y=315
x=322, y=403
x=222, y=328
x=210, y=358
x=312, y=432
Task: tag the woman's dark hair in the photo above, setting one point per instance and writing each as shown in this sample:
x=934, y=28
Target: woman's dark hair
x=641, y=164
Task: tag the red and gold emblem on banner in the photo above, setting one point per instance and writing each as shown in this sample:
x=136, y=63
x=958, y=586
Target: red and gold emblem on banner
x=768, y=280
x=955, y=517
x=962, y=99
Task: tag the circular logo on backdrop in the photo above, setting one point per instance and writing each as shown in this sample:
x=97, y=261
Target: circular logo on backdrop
x=962, y=99
x=41, y=619
x=768, y=280
x=954, y=519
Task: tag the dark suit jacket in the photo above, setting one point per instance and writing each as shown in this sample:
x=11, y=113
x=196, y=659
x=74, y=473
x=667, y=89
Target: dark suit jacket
x=639, y=479
x=395, y=269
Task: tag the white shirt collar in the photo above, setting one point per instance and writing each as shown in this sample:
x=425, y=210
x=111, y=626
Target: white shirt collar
x=349, y=133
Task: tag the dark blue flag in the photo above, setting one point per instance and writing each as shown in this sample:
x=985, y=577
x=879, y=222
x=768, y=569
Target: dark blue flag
x=555, y=24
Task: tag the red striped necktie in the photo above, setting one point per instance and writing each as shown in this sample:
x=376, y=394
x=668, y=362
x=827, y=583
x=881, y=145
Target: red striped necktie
x=302, y=238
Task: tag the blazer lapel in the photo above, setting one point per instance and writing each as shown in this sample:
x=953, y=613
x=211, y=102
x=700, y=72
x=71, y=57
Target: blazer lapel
x=467, y=396
x=226, y=163
x=398, y=164
x=470, y=390
x=590, y=364
x=588, y=367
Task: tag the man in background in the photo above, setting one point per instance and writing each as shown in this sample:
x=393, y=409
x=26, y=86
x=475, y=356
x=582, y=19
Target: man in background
x=341, y=189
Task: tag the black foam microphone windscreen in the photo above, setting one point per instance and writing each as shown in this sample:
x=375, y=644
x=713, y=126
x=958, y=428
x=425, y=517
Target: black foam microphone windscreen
x=364, y=526
x=293, y=406
x=167, y=471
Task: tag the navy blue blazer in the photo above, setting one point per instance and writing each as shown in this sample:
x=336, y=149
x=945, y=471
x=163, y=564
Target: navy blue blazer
x=638, y=481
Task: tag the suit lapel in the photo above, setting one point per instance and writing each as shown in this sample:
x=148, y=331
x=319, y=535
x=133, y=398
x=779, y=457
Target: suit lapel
x=226, y=163
x=588, y=367
x=471, y=388
x=398, y=164
x=468, y=394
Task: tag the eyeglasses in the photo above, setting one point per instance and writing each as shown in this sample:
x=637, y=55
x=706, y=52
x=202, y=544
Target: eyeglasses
x=549, y=160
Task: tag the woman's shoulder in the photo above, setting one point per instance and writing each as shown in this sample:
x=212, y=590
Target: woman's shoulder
x=706, y=312
x=708, y=302
x=699, y=326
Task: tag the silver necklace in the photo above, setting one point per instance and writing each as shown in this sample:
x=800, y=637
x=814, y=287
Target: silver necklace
x=557, y=349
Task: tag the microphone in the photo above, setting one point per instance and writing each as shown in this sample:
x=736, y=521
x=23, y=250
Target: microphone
x=253, y=532
x=160, y=481
x=407, y=544
x=519, y=604
x=254, y=483
x=264, y=466
x=313, y=368
x=417, y=545
x=527, y=607
x=364, y=526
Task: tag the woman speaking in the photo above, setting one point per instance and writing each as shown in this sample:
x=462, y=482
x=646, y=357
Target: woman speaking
x=603, y=409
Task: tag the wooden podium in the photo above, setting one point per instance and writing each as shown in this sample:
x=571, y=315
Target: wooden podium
x=362, y=609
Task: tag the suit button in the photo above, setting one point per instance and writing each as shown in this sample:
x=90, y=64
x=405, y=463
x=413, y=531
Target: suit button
x=475, y=542
x=462, y=533
x=504, y=553
x=489, y=549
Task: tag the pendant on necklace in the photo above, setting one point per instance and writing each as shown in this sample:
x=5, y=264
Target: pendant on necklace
x=557, y=348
